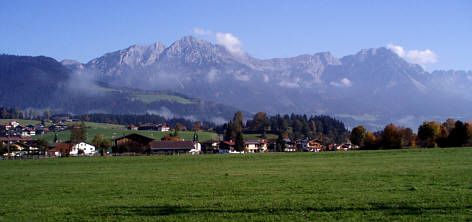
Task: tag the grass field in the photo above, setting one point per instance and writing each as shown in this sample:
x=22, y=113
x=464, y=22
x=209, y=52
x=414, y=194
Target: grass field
x=21, y=121
x=406, y=185
x=150, y=98
x=112, y=133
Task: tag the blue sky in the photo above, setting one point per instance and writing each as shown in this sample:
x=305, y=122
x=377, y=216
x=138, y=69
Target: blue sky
x=436, y=33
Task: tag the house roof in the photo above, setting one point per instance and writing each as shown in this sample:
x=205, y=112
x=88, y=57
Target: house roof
x=210, y=141
x=135, y=135
x=228, y=143
x=167, y=144
x=14, y=138
x=254, y=142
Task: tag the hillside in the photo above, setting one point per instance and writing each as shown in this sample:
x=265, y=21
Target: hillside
x=372, y=87
x=43, y=83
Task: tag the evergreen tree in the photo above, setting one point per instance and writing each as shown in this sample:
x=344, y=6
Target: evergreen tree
x=228, y=131
x=280, y=144
x=239, y=142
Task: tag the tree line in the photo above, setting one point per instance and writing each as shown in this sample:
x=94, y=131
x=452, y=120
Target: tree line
x=293, y=126
x=29, y=114
x=450, y=133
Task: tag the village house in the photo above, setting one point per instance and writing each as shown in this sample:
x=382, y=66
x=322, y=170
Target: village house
x=173, y=147
x=227, y=147
x=59, y=149
x=134, y=142
x=82, y=148
x=310, y=145
x=132, y=127
x=163, y=128
x=15, y=139
x=210, y=146
x=290, y=146
x=255, y=146
x=19, y=146
x=155, y=127
x=344, y=147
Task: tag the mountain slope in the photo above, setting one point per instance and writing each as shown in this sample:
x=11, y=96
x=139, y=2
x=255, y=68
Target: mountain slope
x=43, y=83
x=373, y=87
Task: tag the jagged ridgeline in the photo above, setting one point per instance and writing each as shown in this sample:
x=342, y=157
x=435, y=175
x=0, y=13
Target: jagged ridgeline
x=43, y=83
x=373, y=87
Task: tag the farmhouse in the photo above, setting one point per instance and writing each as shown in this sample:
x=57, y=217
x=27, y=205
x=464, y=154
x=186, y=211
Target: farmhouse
x=155, y=127
x=344, y=147
x=163, y=128
x=59, y=149
x=226, y=147
x=171, y=147
x=290, y=146
x=15, y=139
x=86, y=149
x=254, y=146
x=210, y=146
x=132, y=143
x=311, y=145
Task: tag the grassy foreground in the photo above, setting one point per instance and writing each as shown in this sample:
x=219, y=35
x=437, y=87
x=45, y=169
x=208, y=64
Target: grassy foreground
x=420, y=184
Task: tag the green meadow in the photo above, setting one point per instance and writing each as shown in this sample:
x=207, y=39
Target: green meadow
x=111, y=131
x=404, y=185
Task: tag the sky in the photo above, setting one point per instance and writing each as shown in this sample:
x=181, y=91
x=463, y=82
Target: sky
x=434, y=34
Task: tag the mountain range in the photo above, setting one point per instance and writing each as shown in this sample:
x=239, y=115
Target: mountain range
x=372, y=87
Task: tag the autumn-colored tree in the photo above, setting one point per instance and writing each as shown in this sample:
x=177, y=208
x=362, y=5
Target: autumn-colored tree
x=468, y=127
x=78, y=133
x=458, y=136
x=64, y=149
x=104, y=146
x=408, y=138
x=97, y=140
x=47, y=114
x=196, y=126
x=370, y=141
x=391, y=138
x=238, y=118
x=357, y=135
x=170, y=138
x=428, y=132
x=313, y=129
x=3, y=149
x=179, y=126
x=259, y=122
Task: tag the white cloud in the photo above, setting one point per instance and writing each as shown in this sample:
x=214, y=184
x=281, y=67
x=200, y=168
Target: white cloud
x=218, y=120
x=242, y=77
x=266, y=78
x=163, y=111
x=212, y=75
x=469, y=77
x=345, y=82
x=421, y=57
x=290, y=84
x=228, y=40
x=200, y=31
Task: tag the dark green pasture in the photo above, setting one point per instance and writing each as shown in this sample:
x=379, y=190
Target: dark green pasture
x=405, y=185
